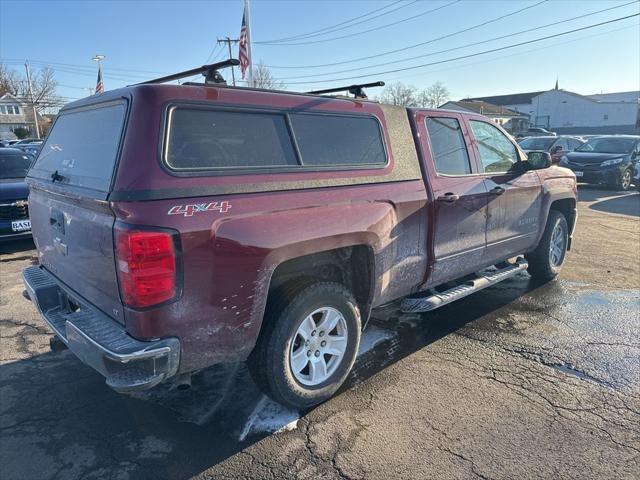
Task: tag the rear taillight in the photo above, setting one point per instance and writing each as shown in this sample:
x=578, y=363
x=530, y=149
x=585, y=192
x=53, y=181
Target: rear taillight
x=147, y=267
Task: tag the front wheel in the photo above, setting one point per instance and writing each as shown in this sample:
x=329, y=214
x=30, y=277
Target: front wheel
x=624, y=183
x=547, y=259
x=308, y=345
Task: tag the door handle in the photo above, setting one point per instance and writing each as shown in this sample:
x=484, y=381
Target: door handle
x=449, y=197
x=497, y=191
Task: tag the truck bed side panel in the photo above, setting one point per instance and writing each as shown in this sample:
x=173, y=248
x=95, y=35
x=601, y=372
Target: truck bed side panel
x=228, y=264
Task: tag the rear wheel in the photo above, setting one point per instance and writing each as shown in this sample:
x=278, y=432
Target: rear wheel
x=308, y=344
x=546, y=261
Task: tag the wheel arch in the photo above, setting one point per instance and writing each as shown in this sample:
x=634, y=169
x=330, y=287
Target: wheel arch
x=352, y=266
x=566, y=206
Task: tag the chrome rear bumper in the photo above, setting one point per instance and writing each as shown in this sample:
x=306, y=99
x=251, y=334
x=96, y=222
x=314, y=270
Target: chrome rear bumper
x=128, y=364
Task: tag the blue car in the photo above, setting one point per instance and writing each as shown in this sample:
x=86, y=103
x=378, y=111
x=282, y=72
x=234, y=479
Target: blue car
x=14, y=206
x=608, y=160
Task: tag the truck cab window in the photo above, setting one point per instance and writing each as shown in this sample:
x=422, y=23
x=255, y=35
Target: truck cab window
x=447, y=146
x=497, y=153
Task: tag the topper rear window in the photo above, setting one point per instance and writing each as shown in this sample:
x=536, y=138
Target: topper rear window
x=221, y=139
x=82, y=146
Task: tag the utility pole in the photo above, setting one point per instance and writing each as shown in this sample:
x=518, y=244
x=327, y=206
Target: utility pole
x=33, y=104
x=229, y=41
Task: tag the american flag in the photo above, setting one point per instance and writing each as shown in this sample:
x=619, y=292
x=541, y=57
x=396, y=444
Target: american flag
x=99, y=84
x=243, y=52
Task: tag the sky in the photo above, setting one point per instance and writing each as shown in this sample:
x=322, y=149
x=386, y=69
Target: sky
x=145, y=39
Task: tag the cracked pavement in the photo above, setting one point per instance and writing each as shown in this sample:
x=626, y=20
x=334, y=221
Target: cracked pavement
x=518, y=381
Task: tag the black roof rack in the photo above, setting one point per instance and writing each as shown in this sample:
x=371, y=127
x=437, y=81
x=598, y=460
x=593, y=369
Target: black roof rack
x=210, y=72
x=356, y=90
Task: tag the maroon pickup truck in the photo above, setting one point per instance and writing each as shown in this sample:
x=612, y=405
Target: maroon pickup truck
x=181, y=226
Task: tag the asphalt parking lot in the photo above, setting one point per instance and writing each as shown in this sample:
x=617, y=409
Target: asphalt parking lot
x=517, y=381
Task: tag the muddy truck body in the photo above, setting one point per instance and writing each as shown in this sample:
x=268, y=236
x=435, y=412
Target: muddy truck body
x=181, y=226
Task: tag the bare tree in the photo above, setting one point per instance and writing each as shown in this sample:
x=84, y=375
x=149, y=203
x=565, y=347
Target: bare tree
x=433, y=96
x=9, y=81
x=399, y=94
x=262, y=78
x=43, y=83
x=44, y=87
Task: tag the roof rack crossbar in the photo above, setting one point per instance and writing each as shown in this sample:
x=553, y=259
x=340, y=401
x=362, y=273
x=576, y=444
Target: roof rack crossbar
x=209, y=71
x=356, y=90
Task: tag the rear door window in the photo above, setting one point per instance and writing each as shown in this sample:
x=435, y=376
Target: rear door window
x=448, y=147
x=334, y=140
x=83, y=146
x=203, y=139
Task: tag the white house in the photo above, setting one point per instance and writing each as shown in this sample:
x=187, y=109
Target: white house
x=14, y=114
x=568, y=112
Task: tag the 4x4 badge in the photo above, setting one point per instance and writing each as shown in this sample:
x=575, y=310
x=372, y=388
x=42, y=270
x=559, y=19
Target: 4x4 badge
x=189, y=210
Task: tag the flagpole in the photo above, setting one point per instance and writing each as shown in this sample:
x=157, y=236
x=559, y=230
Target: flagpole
x=248, y=26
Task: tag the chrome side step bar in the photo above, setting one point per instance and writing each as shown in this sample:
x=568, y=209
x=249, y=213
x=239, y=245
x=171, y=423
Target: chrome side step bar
x=426, y=304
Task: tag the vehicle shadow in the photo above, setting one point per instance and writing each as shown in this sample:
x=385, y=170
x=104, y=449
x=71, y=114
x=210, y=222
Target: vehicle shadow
x=625, y=205
x=72, y=426
x=592, y=193
x=15, y=246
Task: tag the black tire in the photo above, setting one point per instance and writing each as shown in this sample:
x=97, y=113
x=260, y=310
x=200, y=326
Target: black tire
x=541, y=266
x=287, y=308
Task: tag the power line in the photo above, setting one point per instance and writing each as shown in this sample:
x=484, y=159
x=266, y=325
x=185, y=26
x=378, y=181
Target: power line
x=215, y=47
x=517, y=54
x=89, y=72
x=371, y=29
x=73, y=86
x=471, y=54
x=409, y=47
x=47, y=63
x=331, y=29
x=452, y=48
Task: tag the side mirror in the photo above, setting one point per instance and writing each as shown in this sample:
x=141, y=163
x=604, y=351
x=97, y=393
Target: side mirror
x=538, y=160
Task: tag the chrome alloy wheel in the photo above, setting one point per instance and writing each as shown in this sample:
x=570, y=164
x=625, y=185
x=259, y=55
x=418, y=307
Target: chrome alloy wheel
x=318, y=346
x=557, y=248
x=625, y=182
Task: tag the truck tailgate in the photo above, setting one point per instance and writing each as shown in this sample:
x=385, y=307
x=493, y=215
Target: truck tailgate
x=74, y=237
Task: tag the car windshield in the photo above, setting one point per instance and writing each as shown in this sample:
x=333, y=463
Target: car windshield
x=14, y=165
x=608, y=145
x=539, y=143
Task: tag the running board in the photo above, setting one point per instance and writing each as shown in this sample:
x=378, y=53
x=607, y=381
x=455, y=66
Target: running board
x=426, y=304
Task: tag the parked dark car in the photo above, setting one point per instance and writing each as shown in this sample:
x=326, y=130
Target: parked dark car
x=183, y=226
x=25, y=141
x=32, y=148
x=14, y=207
x=557, y=146
x=607, y=159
